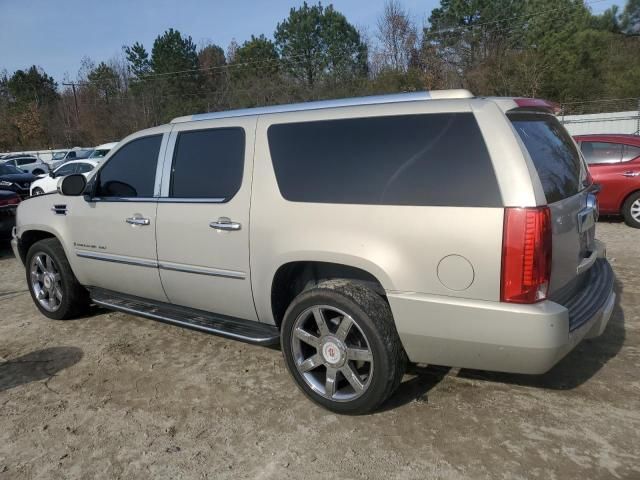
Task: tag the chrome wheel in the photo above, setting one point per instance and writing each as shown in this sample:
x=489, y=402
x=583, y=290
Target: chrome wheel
x=635, y=210
x=46, y=282
x=331, y=353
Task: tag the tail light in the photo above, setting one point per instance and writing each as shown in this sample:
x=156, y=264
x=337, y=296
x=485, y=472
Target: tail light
x=9, y=201
x=526, y=255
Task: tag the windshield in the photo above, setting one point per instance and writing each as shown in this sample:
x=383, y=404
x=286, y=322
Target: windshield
x=9, y=170
x=99, y=153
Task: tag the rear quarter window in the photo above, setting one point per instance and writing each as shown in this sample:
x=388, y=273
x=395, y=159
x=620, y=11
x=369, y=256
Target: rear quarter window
x=553, y=152
x=426, y=159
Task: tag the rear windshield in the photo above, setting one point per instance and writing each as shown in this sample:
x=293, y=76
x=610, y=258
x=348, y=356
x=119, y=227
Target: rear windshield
x=554, y=154
x=431, y=159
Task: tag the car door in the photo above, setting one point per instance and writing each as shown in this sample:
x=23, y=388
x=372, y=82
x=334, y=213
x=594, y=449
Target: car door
x=203, y=216
x=604, y=159
x=113, y=230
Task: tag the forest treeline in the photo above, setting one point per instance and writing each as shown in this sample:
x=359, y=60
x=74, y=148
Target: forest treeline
x=555, y=49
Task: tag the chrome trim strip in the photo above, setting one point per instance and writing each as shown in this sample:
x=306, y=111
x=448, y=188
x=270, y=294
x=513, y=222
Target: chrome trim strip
x=190, y=200
x=124, y=199
x=344, y=102
x=155, y=316
x=108, y=257
x=214, y=272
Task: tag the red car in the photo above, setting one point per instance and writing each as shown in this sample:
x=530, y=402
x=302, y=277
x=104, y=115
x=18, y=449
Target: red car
x=614, y=163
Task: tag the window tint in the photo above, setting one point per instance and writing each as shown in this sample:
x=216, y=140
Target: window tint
x=84, y=167
x=601, y=152
x=630, y=152
x=434, y=159
x=208, y=163
x=66, y=170
x=131, y=172
x=553, y=152
x=25, y=161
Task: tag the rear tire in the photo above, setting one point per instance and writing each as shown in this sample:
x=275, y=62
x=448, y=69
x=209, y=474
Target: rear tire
x=52, y=284
x=37, y=171
x=631, y=210
x=353, y=363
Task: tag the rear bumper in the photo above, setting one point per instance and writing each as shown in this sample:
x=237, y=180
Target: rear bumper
x=501, y=336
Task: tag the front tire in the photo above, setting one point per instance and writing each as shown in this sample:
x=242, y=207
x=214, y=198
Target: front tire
x=631, y=210
x=37, y=191
x=341, y=346
x=52, y=284
x=37, y=171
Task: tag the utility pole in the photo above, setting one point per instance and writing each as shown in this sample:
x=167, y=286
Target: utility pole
x=75, y=99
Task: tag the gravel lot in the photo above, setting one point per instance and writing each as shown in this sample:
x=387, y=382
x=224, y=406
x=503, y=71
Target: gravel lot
x=116, y=396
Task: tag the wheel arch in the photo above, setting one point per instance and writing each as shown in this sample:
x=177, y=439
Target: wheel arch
x=626, y=197
x=293, y=277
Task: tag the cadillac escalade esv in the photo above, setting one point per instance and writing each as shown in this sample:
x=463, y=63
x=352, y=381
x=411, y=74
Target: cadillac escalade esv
x=360, y=234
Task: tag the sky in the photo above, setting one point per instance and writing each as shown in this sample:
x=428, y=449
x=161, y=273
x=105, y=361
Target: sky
x=57, y=34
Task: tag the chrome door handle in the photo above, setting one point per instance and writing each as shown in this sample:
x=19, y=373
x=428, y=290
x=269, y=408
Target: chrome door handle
x=138, y=221
x=630, y=174
x=225, y=223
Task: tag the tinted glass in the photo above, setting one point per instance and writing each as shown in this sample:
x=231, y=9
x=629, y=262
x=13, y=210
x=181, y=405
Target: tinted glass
x=435, y=159
x=7, y=169
x=66, y=169
x=553, y=152
x=25, y=161
x=208, y=163
x=84, y=167
x=630, y=152
x=601, y=152
x=131, y=172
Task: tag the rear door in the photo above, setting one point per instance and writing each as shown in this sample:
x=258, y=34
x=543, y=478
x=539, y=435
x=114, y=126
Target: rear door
x=564, y=179
x=604, y=159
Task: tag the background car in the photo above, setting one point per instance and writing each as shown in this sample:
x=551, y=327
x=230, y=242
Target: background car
x=49, y=183
x=15, y=180
x=614, y=163
x=28, y=164
x=8, y=202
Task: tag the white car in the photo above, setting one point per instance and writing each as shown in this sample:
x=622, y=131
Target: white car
x=49, y=183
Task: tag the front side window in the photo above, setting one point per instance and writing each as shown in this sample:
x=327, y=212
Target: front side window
x=437, y=159
x=208, y=164
x=601, y=152
x=131, y=172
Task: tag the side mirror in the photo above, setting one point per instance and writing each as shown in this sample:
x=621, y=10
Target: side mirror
x=51, y=174
x=72, y=185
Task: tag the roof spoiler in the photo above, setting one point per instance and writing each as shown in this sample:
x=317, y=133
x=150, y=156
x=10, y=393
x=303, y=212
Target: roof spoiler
x=538, y=104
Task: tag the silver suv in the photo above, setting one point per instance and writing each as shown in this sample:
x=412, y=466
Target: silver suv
x=362, y=234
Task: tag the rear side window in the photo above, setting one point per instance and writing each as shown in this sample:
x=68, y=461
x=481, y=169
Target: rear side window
x=131, y=172
x=553, y=152
x=601, y=152
x=630, y=152
x=208, y=163
x=433, y=159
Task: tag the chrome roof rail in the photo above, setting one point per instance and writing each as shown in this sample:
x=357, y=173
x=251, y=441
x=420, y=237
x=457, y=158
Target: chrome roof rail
x=344, y=102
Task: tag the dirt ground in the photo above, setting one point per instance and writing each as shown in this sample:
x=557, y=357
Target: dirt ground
x=116, y=396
